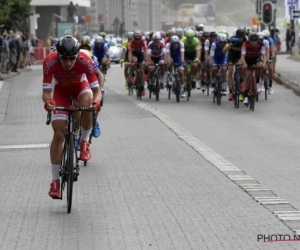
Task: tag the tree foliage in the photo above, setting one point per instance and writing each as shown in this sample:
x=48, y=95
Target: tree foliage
x=14, y=12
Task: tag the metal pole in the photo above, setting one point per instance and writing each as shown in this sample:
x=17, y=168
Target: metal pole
x=150, y=15
x=296, y=34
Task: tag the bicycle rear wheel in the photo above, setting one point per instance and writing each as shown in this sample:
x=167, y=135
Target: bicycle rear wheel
x=188, y=85
x=177, y=89
x=266, y=86
x=70, y=172
x=157, y=88
x=218, y=84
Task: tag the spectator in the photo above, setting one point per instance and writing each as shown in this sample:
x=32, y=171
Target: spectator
x=13, y=52
x=71, y=11
x=4, y=53
x=288, y=38
x=292, y=40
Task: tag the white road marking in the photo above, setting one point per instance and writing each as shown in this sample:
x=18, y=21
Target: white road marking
x=25, y=146
x=256, y=190
x=1, y=84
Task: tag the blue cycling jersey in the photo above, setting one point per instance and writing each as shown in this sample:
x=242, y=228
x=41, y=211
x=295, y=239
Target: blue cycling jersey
x=271, y=42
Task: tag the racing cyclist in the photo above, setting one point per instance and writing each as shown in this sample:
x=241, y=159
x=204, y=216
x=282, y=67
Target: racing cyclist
x=175, y=55
x=86, y=47
x=125, y=56
x=207, y=45
x=68, y=72
x=217, y=57
x=192, y=52
x=270, y=53
x=252, y=53
x=100, y=51
x=234, y=48
x=138, y=53
x=155, y=55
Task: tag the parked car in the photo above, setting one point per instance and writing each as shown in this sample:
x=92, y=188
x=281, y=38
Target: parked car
x=115, y=51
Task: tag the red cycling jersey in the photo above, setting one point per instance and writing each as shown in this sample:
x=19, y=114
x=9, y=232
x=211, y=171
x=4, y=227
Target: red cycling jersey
x=137, y=46
x=65, y=84
x=167, y=40
x=253, y=51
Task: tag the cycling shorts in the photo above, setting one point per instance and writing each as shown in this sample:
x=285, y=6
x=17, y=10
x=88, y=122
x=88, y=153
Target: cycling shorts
x=178, y=61
x=233, y=57
x=219, y=60
x=62, y=97
x=139, y=56
x=189, y=56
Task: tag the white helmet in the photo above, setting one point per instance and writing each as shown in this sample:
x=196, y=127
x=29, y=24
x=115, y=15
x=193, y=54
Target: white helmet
x=260, y=35
x=234, y=32
x=147, y=35
x=223, y=37
x=130, y=34
x=265, y=33
x=99, y=39
x=179, y=32
x=156, y=36
x=175, y=39
x=87, y=38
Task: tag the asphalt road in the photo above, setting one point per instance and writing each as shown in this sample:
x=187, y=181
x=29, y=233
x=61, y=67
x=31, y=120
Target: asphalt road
x=159, y=173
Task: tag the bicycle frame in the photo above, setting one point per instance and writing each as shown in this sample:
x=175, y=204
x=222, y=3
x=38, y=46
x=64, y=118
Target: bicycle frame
x=68, y=172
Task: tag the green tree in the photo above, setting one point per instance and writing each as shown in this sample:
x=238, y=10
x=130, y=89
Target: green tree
x=5, y=10
x=14, y=12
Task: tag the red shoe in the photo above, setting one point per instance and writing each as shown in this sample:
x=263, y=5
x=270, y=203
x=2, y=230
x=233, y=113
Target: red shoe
x=54, y=191
x=143, y=92
x=85, y=153
x=230, y=97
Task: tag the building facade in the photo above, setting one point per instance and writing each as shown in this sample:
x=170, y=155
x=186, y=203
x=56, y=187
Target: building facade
x=136, y=14
x=47, y=15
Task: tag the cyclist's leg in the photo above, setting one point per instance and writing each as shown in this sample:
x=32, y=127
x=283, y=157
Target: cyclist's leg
x=151, y=69
x=85, y=97
x=56, y=149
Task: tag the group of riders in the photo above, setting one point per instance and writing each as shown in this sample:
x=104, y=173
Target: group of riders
x=79, y=69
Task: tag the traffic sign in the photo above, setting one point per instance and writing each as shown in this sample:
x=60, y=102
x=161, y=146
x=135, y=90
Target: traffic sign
x=295, y=14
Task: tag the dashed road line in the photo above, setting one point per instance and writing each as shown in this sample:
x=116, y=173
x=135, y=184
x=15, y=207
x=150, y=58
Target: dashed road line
x=24, y=146
x=282, y=209
x=1, y=84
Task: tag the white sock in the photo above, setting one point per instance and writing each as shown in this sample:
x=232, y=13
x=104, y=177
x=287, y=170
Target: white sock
x=85, y=135
x=55, y=172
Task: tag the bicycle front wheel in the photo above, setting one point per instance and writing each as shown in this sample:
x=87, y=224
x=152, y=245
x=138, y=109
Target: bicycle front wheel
x=70, y=172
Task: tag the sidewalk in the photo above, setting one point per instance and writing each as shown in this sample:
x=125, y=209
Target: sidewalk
x=288, y=73
x=13, y=74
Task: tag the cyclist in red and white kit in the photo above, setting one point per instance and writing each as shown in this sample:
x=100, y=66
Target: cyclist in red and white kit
x=137, y=49
x=68, y=72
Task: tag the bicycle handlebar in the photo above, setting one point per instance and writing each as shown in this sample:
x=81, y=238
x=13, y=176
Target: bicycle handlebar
x=69, y=109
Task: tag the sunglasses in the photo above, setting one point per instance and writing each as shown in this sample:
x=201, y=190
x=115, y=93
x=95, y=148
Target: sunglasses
x=70, y=58
x=254, y=40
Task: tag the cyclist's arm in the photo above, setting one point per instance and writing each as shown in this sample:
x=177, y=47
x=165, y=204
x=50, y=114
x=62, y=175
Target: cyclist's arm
x=212, y=53
x=243, y=54
x=182, y=51
x=206, y=49
x=145, y=49
x=198, y=51
x=226, y=48
x=263, y=53
x=148, y=58
x=97, y=94
x=167, y=54
x=47, y=94
x=100, y=77
x=130, y=52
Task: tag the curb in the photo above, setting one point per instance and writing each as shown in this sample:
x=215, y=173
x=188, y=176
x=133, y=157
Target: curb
x=279, y=80
x=11, y=75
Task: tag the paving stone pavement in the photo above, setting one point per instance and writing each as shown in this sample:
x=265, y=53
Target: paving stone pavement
x=143, y=188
